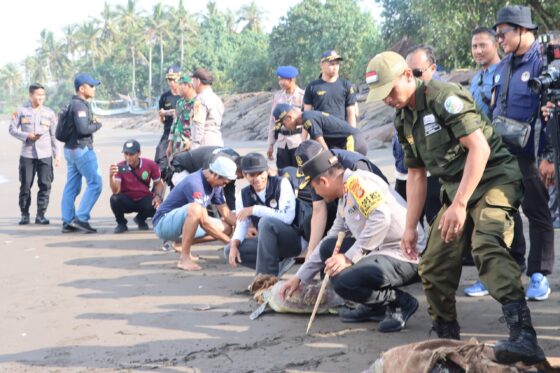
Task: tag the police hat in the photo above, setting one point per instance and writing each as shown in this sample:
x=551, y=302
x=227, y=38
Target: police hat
x=313, y=159
x=287, y=72
x=381, y=73
x=331, y=56
x=203, y=75
x=131, y=146
x=515, y=15
x=83, y=78
x=280, y=112
x=173, y=72
x=254, y=162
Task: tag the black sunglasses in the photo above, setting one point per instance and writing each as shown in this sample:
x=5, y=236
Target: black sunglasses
x=419, y=72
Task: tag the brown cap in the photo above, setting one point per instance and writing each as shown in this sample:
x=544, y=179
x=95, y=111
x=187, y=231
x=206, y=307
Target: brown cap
x=381, y=73
x=203, y=75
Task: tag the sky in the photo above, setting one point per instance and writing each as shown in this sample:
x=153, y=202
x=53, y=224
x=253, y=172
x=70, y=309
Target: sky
x=21, y=21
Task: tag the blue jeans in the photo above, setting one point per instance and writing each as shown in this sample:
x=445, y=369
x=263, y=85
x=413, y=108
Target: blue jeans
x=80, y=163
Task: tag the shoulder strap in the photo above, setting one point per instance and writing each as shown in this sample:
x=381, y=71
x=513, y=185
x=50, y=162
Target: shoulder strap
x=505, y=85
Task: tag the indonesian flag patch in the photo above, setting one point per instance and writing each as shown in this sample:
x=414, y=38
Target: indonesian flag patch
x=372, y=77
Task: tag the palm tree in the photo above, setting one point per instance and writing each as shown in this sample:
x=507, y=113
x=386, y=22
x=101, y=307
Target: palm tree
x=130, y=24
x=70, y=40
x=185, y=23
x=159, y=23
x=109, y=28
x=253, y=15
x=52, y=54
x=34, y=71
x=88, y=37
x=11, y=77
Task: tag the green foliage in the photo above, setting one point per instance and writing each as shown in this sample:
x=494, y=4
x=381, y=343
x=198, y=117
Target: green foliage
x=313, y=27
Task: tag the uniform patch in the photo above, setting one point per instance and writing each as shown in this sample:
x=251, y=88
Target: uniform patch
x=307, y=124
x=525, y=76
x=410, y=139
x=431, y=128
x=496, y=78
x=321, y=93
x=145, y=175
x=453, y=105
x=366, y=199
x=273, y=203
x=82, y=114
x=198, y=112
x=25, y=120
x=45, y=123
x=351, y=90
x=372, y=77
x=197, y=195
x=430, y=118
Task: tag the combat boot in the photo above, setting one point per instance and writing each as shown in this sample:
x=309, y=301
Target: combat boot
x=448, y=330
x=522, y=344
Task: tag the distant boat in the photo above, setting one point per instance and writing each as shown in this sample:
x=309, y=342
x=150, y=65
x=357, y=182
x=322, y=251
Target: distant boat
x=122, y=106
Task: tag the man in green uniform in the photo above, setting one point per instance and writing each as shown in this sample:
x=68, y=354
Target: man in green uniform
x=442, y=131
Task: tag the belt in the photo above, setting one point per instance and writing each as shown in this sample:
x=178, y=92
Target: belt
x=286, y=132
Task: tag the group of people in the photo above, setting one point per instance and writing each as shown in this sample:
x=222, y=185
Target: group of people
x=457, y=178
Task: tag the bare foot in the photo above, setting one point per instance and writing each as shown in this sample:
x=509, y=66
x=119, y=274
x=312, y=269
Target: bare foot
x=178, y=249
x=188, y=265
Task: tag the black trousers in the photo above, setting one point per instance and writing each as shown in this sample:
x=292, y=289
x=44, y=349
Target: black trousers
x=28, y=167
x=432, y=205
x=541, y=232
x=374, y=279
x=286, y=157
x=122, y=204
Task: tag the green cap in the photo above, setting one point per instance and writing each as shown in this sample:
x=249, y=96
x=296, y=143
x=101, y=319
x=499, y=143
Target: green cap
x=185, y=79
x=381, y=73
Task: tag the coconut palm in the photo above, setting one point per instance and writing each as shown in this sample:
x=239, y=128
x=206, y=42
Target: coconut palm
x=186, y=23
x=11, y=77
x=89, y=42
x=109, y=28
x=130, y=23
x=253, y=15
x=160, y=24
x=51, y=53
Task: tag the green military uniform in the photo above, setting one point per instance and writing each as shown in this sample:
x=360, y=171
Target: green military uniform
x=181, y=129
x=430, y=134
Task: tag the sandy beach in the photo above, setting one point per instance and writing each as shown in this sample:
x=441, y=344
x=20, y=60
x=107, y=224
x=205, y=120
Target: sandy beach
x=106, y=302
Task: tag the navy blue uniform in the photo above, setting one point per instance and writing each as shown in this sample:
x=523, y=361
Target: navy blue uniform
x=336, y=132
x=332, y=98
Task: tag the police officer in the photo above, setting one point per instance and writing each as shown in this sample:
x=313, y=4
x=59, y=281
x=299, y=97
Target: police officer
x=269, y=204
x=208, y=111
x=167, y=105
x=285, y=140
x=442, y=131
x=327, y=129
x=514, y=100
x=81, y=159
x=370, y=266
x=331, y=93
x=34, y=124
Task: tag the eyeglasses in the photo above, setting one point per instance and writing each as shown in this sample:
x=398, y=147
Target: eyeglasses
x=502, y=33
x=419, y=72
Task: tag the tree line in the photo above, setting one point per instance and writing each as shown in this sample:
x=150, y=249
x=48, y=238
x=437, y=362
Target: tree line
x=129, y=49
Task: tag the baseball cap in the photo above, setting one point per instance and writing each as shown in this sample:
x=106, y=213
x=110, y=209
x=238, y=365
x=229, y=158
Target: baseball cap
x=173, y=72
x=254, y=162
x=313, y=159
x=131, y=146
x=224, y=166
x=83, y=78
x=204, y=75
x=287, y=72
x=381, y=73
x=331, y=56
x=280, y=112
x=185, y=79
x=515, y=15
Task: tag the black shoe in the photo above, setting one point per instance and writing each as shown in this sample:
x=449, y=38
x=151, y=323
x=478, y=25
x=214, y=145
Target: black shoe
x=522, y=344
x=448, y=330
x=40, y=219
x=362, y=313
x=120, y=228
x=67, y=228
x=142, y=225
x=24, y=219
x=393, y=321
x=83, y=226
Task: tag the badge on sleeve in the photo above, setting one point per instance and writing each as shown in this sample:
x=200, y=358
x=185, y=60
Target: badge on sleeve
x=198, y=112
x=82, y=114
x=366, y=198
x=496, y=78
x=307, y=124
x=525, y=76
x=453, y=105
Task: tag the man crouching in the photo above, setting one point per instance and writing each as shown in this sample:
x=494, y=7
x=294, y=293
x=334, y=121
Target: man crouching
x=370, y=266
x=183, y=213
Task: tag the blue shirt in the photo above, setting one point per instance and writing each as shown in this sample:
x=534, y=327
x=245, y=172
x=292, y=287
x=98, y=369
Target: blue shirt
x=481, y=89
x=521, y=104
x=193, y=188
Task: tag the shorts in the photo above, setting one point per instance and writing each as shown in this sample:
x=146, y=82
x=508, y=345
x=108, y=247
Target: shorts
x=170, y=225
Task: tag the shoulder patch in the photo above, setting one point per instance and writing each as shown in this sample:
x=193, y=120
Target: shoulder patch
x=367, y=200
x=82, y=114
x=307, y=124
x=198, y=113
x=453, y=104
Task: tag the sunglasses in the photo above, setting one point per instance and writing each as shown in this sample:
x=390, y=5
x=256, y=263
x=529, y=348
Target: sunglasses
x=419, y=72
x=502, y=33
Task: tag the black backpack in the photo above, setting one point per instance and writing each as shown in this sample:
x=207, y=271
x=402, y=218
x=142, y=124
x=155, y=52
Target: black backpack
x=65, y=126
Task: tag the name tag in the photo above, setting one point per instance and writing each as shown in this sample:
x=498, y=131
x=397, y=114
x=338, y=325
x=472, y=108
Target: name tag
x=430, y=118
x=431, y=128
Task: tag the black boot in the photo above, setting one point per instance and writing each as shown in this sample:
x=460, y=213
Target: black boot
x=522, y=344
x=449, y=330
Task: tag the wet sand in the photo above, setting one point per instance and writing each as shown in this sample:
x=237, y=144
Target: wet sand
x=106, y=302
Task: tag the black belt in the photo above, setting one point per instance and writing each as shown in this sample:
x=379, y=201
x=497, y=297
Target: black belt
x=286, y=132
